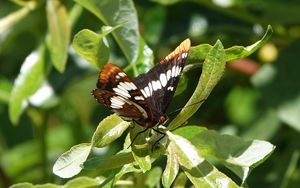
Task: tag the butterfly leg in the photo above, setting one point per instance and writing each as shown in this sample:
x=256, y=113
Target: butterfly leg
x=157, y=141
x=135, y=137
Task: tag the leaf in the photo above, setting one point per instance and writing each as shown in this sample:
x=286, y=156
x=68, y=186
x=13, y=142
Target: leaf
x=93, y=47
x=180, y=181
x=200, y=172
x=213, y=68
x=82, y=182
x=140, y=148
x=68, y=164
x=60, y=31
x=198, y=53
x=237, y=154
x=109, y=130
x=238, y=52
x=30, y=185
x=153, y=177
x=32, y=74
x=22, y=185
x=114, y=13
x=171, y=170
x=145, y=59
x=118, y=160
x=5, y=90
x=127, y=168
x=6, y=23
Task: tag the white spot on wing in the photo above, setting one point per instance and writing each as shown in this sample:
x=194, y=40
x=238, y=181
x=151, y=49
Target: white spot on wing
x=163, y=79
x=156, y=85
x=122, y=74
x=132, y=85
x=144, y=93
x=147, y=91
x=177, y=70
x=123, y=86
x=173, y=71
x=150, y=87
x=170, y=88
x=117, y=102
x=139, y=98
x=121, y=92
x=169, y=74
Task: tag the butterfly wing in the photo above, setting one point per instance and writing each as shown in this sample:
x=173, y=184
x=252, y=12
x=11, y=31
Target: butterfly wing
x=159, y=84
x=116, y=91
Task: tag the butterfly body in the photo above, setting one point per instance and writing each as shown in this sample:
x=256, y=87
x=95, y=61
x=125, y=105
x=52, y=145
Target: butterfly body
x=145, y=98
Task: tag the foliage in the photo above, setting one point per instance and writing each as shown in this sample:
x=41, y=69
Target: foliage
x=62, y=44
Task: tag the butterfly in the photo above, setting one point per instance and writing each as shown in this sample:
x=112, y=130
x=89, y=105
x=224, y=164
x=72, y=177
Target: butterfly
x=143, y=99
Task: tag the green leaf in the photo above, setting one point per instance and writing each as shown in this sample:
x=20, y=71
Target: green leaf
x=238, y=155
x=239, y=52
x=93, y=47
x=213, y=68
x=145, y=59
x=198, y=53
x=30, y=185
x=127, y=168
x=60, y=31
x=109, y=130
x=6, y=23
x=5, y=90
x=189, y=131
x=32, y=75
x=140, y=148
x=118, y=160
x=180, y=181
x=82, y=182
x=153, y=177
x=22, y=185
x=117, y=12
x=171, y=170
x=68, y=164
x=200, y=172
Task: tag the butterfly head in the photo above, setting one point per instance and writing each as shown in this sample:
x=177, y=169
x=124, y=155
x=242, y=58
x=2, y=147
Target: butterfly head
x=163, y=119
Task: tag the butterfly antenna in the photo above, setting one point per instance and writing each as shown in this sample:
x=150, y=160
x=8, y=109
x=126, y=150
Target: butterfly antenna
x=201, y=101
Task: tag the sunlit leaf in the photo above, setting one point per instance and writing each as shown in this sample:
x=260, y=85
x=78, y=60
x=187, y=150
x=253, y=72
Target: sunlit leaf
x=200, y=172
x=109, y=130
x=171, y=170
x=59, y=30
x=237, y=154
x=32, y=74
x=82, y=182
x=114, y=13
x=68, y=164
x=30, y=185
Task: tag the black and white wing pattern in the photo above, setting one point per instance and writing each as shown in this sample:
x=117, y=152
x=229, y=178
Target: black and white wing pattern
x=159, y=84
x=116, y=91
x=143, y=99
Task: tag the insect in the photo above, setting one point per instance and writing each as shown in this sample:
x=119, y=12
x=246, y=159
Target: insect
x=143, y=99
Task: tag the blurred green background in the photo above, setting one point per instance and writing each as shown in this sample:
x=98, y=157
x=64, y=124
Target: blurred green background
x=258, y=97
